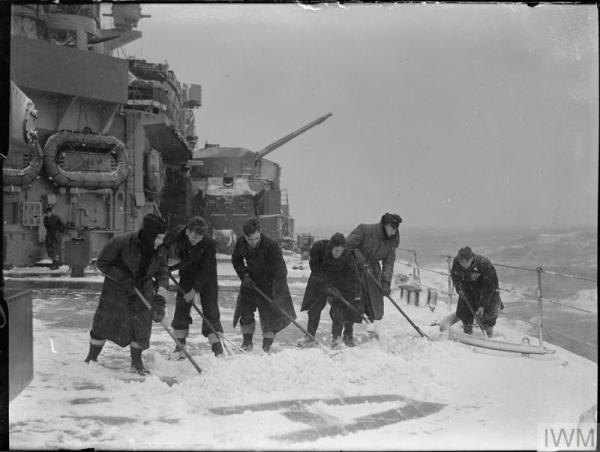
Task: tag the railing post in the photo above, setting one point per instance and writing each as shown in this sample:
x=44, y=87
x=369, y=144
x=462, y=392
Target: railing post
x=541, y=321
x=417, y=274
x=448, y=258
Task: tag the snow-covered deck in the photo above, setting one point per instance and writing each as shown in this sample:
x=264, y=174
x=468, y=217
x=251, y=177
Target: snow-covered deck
x=401, y=392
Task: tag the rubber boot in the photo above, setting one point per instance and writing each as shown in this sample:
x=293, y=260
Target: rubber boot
x=267, y=342
x=468, y=328
x=177, y=347
x=349, y=334
x=217, y=348
x=336, y=328
x=93, y=353
x=136, y=361
x=335, y=342
x=247, y=344
x=311, y=327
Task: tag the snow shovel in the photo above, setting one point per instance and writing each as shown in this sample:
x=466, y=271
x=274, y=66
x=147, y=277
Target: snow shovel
x=397, y=307
x=179, y=344
x=475, y=316
x=212, y=328
x=336, y=293
x=272, y=303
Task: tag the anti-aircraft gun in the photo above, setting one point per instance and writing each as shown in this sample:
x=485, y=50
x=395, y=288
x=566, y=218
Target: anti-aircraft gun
x=228, y=185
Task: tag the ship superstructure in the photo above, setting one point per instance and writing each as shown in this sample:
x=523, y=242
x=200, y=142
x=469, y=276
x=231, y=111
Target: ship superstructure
x=228, y=185
x=91, y=134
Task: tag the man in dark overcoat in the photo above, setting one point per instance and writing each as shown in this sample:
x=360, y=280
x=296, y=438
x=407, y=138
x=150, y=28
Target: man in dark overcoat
x=476, y=282
x=332, y=266
x=372, y=243
x=197, y=274
x=54, y=237
x=258, y=261
x=136, y=259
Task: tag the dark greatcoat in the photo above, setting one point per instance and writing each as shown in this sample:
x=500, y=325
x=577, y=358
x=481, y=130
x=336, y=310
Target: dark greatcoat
x=479, y=283
x=266, y=267
x=54, y=230
x=198, y=262
x=121, y=316
x=340, y=273
x=370, y=245
x=198, y=271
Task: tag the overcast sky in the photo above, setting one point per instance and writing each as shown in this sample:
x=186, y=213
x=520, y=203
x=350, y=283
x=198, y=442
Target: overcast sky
x=449, y=115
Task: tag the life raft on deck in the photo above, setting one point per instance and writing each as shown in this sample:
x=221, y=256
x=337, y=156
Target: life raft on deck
x=22, y=165
x=524, y=347
x=85, y=160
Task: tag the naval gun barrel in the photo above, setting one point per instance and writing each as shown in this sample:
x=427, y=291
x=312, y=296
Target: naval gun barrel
x=271, y=147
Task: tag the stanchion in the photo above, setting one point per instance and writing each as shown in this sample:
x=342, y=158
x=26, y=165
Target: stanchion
x=541, y=321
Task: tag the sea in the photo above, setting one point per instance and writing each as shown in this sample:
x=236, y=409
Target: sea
x=569, y=305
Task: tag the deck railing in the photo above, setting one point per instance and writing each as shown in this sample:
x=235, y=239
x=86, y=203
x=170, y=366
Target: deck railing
x=449, y=292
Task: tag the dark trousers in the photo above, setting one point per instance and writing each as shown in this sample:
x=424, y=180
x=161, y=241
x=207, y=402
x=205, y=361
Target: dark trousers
x=336, y=312
x=209, y=296
x=250, y=303
x=53, y=247
x=490, y=314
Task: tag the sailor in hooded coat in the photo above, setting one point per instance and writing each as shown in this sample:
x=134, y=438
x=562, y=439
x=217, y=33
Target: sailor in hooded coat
x=332, y=269
x=133, y=259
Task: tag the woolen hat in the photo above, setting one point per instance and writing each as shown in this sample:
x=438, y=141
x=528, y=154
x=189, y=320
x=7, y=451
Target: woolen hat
x=465, y=253
x=153, y=224
x=392, y=219
x=337, y=239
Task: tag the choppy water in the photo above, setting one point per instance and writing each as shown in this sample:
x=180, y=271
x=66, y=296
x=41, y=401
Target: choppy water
x=573, y=252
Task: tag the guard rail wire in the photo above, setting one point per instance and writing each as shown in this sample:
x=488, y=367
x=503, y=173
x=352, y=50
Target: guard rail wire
x=539, y=270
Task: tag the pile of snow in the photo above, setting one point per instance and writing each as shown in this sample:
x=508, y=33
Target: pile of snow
x=401, y=392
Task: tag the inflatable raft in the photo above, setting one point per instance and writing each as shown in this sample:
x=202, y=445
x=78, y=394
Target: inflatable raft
x=85, y=160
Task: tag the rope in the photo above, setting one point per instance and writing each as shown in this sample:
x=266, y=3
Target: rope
x=516, y=268
x=436, y=289
x=549, y=272
x=594, y=346
x=439, y=272
x=534, y=297
x=546, y=328
x=406, y=249
x=568, y=305
x=518, y=318
x=569, y=276
x=514, y=292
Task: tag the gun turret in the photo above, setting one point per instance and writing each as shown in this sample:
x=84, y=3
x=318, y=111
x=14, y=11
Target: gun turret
x=271, y=147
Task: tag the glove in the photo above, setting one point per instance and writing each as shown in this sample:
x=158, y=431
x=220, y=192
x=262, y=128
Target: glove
x=158, y=308
x=386, y=288
x=247, y=281
x=189, y=296
x=479, y=311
